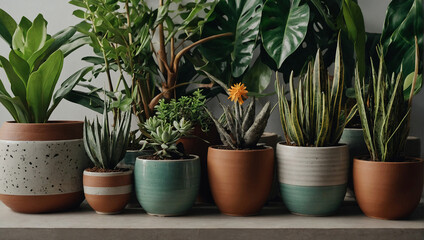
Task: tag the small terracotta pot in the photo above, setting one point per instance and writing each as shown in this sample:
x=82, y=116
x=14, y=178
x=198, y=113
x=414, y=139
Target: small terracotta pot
x=196, y=146
x=388, y=190
x=240, y=180
x=108, y=192
x=41, y=166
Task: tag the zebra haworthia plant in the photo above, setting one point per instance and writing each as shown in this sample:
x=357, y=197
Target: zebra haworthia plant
x=384, y=111
x=106, y=146
x=241, y=129
x=314, y=116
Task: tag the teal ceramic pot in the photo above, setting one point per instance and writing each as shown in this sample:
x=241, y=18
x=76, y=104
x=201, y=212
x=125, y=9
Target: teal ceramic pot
x=312, y=179
x=354, y=138
x=167, y=187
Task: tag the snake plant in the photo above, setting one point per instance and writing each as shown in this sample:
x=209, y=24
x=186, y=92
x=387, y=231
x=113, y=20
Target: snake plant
x=162, y=136
x=106, y=146
x=314, y=116
x=384, y=111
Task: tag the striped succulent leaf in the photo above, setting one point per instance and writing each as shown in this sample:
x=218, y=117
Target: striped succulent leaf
x=384, y=112
x=106, y=146
x=314, y=116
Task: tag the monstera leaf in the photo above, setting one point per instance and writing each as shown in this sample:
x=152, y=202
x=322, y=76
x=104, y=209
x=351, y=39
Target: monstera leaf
x=240, y=17
x=404, y=20
x=283, y=28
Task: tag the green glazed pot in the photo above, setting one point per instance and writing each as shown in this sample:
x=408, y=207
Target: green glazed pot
x=312, y=179
x=167, y=187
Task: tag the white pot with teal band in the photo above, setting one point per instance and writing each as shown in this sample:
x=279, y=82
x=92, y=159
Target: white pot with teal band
x=312, y=179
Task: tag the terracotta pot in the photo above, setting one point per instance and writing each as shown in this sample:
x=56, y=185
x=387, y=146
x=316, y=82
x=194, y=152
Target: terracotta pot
x=195, y=146
x=271, y=139
x=312, y=179
x=108, y=192
x=167, y=187
x=240, y=180
x=42, y=165
x=388, y=190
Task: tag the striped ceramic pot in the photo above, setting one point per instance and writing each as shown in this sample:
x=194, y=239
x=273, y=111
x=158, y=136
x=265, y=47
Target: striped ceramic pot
x=108, y=192
x=41, y=166
x=312, y=179
x=167, y=187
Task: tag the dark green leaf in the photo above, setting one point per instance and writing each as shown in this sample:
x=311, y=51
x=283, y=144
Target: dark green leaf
x=17, y=85
x=7, y=26
x=258, y=77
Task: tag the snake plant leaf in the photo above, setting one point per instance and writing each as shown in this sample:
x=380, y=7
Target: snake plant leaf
x=283, y=28
x=7, y=26
x=16, y=84
x=249, y=116
x=41, y=85
x=242, y=18
x=253, y=134
x=404, y=20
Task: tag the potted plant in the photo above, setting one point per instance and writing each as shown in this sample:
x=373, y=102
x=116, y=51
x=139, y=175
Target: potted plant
x=106, y=187
x=240, y=171
x=204, y=134
x=387, y=183
x=167, y=182
x=42, y=160
x=312, y=165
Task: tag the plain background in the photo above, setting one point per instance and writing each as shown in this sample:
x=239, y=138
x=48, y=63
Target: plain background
x=58, y=13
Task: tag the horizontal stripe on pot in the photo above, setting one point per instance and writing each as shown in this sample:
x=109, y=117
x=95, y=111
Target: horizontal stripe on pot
x=312, y=166
x=108, y=190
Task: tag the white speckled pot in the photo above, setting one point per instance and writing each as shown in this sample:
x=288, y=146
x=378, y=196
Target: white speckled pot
x=42, y=173
x=312, y=179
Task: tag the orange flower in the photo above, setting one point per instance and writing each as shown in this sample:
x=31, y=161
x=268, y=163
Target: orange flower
x=237, y=93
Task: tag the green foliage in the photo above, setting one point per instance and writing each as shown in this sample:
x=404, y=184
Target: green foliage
x=33, y=68
x=404, y=21
x=106, y=146
x=384, y=111
x=162, y=136
x=283, y=28
x=241, y=129
x=314, y=116
x=191, y=108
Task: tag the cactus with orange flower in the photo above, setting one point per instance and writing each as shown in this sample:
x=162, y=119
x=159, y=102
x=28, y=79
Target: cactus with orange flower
x=241, y=129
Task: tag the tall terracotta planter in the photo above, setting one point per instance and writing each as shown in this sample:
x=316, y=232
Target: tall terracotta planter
x=240, y=180
x=41, y=166
x=388, y=190
x=108, y=192
x=312, y=179
x=194, y=145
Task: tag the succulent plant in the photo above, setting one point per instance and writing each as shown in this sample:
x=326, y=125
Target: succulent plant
x=162, y=136
x=106, y=146
x=314, y=116
x=384, y=111
x=240, y=128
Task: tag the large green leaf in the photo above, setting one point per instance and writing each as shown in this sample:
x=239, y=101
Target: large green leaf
x=16, y=84
x=404, y=21
x=7, y=26
x=258, y=77
x=89, y=100
x=355, y=28
x=20, y=66
x=36, y=36
x=283, y=28
x=41, y=85
x=242, y=18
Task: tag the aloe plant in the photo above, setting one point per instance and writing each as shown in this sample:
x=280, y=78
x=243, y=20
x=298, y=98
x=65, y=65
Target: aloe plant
x=162, y=136
x=106, y=146
x=33, y=68
x=239, y=128
x=384, y=111
x=314, y=116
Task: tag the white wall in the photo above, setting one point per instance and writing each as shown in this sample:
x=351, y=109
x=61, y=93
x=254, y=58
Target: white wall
x=59, y=15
